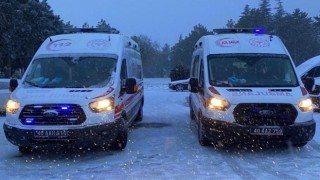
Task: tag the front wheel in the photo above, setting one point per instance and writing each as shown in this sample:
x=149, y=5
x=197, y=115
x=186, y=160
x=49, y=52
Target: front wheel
x=192, y=115
x=299, y=144
x=25, y=149
x=203, y=140
x=140, y=114
x=120, y=142
x=179, y=87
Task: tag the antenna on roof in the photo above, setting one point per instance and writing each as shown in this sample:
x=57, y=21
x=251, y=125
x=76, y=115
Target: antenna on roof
x=50, y=39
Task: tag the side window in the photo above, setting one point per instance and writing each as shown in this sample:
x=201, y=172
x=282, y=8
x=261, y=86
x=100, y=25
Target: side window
x=195, y=67
x=201, y=75
x=123, y=76
x=317, y=72
x=311, y=72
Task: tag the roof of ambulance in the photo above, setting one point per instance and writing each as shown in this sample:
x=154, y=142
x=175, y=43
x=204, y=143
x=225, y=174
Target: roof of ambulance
x=231, y=43
x=82, y=43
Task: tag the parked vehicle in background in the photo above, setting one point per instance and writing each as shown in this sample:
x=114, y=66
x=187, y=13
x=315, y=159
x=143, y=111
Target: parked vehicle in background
x=179, y=85
x=82, y=88
x=244, y=88
x=309, y=72
x=4, y=94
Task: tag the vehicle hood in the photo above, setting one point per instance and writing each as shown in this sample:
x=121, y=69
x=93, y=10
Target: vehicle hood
x=183, y=81
x=261, y=95
x=307, y=65
x=59, y=95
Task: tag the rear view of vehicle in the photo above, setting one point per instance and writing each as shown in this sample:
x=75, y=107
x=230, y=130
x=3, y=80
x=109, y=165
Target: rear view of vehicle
x=80, y=89
x=244, y=88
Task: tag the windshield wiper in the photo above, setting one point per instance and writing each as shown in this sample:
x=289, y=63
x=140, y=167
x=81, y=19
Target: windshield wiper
x=75, y=87
x=31, y=83
x=220, y=82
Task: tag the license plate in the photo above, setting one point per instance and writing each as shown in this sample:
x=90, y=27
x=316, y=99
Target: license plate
x=51, y=134
x=267, y=131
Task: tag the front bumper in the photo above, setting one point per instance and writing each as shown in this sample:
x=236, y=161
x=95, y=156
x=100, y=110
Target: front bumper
x=298, y=133
x=90, y=135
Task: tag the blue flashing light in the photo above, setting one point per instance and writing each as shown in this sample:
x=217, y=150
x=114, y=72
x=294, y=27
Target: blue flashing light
x=259, y=30
x=64, y=107
x=29, y=120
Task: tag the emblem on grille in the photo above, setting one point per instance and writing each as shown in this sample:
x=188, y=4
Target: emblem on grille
x=50, y=113
x=266, y=112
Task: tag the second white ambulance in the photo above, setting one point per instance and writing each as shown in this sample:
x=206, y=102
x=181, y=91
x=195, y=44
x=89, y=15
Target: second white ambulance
x=244, y=87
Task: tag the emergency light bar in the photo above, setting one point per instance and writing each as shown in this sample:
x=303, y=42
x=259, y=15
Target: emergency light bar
x=91, y=30
x=240, y=30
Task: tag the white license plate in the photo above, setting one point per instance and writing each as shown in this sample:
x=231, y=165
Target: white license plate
x=267, y=131
x=51, y=134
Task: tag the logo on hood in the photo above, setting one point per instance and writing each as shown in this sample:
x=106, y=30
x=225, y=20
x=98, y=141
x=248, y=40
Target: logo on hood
x=266, y=112
x=51, y=113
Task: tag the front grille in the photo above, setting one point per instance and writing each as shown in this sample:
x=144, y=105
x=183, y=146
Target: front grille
x=265, y=114
x=52, y=114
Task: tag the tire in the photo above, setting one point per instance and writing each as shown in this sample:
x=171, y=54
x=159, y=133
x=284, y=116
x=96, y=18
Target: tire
x=25, y=149
x=299, y=144
x=179, y=87
x=120, y=142
x=139, y=115
x=192, y=115
x=203, y=140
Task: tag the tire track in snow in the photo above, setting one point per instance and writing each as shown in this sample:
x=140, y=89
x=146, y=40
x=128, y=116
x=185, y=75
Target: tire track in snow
x=314, y=145
x=236, y=167
x=267, y=169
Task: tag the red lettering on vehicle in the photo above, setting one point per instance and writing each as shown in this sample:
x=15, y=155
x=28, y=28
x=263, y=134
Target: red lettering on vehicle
x=59, y=45
x=99, y=44
x=261, y=93
x=259, y=42
x=227, y=42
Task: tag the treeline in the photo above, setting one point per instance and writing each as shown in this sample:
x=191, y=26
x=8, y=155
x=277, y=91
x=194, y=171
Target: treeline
x=300, y=33
x=23, y=27
x=24, y=24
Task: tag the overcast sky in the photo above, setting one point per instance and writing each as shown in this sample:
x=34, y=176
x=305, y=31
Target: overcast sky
x=164, y=20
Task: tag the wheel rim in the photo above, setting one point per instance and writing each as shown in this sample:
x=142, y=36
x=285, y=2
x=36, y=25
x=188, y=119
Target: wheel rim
x=179, y=87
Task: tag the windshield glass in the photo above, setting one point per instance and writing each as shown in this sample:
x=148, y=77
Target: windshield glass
x=251, y=70
x=71, y=72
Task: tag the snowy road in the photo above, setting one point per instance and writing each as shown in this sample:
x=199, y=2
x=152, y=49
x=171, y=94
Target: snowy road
x=163, y=146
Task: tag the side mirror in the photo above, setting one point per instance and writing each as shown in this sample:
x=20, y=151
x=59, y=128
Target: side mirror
x=194, y=87
x=131, y=86
x=308, y=84
x=13, y=84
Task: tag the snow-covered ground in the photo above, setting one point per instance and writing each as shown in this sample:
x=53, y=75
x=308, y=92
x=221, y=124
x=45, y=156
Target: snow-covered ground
x=163, y=146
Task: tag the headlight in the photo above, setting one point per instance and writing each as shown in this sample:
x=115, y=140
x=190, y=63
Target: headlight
x=305, y=105
x=218, y=104
x=104, y=105
x=12, y=106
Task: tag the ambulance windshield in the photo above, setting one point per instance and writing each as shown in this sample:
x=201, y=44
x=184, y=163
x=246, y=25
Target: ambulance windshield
x=251, y=70
x=71, y=72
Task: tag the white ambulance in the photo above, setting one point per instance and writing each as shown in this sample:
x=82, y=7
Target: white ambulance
x=83, y=88
x=244, y=88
